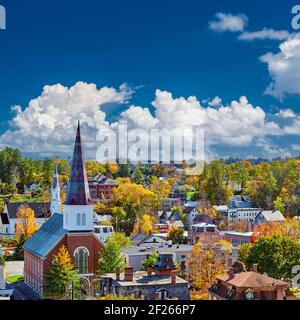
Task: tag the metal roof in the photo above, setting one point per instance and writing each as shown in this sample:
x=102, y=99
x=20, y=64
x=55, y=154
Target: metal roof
x=46, y=237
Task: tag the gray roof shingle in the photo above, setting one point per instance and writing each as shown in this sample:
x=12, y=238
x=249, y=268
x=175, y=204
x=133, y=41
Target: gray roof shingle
x=46, y=237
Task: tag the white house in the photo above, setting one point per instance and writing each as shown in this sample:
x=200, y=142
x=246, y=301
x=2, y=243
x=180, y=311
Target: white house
x=268, y=216
x=103, y=232
x=243, y=214
x=9, y=216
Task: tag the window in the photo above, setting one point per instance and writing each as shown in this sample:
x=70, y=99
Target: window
x=78, y=219
x=81, y=260
x=83, y=219
x=67, y=218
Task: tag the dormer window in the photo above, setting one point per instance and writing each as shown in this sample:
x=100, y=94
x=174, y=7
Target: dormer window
x=249, y=293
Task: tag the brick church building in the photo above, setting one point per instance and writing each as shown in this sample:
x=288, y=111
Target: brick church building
x=73, y=229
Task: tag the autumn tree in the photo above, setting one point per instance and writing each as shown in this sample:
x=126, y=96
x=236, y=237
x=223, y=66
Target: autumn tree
x=136, y=201
x=62, y=277
x=144, y=225
x=290, y=229
x=205, y=266
x=25, y=224
x=176, y=235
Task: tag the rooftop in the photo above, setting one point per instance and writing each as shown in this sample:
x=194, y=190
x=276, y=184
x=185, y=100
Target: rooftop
x=140, y=278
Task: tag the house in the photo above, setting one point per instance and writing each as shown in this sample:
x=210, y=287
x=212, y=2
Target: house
x=193, y=204
x=170, y=218
x=205, y=232
x=159, y=282
x=238, y=284
x=139, y=239
x=104, y=233
x=222, y=210
x=9, y=216
x=237, y=238
x=31, y=187
x=191, y=213
x=135, y=255
x=239, y=201
x=74, y=230
x=243, y=214
x=101, y=186
x=100, y=217
x=5, y=293
x=268, y=216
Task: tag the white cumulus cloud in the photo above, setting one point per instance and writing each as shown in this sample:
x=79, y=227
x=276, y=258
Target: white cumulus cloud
x=284, y=68
x=228, y=22
x=265, y=34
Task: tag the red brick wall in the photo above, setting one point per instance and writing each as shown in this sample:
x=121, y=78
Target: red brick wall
x=33, y=271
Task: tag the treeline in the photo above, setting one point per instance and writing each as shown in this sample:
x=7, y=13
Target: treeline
x=270, y=185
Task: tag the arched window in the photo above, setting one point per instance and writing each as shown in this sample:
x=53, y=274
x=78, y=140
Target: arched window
x=83, y=222
x=78, y=218
x=81, y=260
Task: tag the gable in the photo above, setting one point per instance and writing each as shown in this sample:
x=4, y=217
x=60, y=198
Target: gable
x=46, y=237
x=40, y=209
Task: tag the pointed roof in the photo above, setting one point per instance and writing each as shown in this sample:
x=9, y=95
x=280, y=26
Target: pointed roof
x=78, y=189
x=55, y=182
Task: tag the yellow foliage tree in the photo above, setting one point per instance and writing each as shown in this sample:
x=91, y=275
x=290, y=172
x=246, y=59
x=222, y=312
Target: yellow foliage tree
x=26, y=224
x=63, y=258
x=204, y=266
x=144, y=225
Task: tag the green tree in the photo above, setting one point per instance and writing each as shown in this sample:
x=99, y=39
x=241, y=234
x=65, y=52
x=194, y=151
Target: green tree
x=274, y=255
x=120, y=239
x=111, y=259
x=278, y=204
x=150, y=261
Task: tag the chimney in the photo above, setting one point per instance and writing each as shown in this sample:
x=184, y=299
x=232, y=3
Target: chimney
x=150, y=232
x=182, y=266
x=173, y=276
x=254, y=267
x=149, y=271
x=128, y=274
x=118, y=274
x=157, y=296
x=229, y=262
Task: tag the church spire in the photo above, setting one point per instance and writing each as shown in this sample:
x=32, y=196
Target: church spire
x=78, y=189
x=55, y=193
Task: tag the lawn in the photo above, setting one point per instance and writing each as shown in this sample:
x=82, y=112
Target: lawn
x=14, y=279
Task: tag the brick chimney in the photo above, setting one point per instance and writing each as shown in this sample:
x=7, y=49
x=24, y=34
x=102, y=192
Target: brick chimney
x=118, y=274
x=128, y=276
x=157, y=296
x=254, y=267
x=280, y=293
x=149, y=271
x=173, y=276
x=150, y=233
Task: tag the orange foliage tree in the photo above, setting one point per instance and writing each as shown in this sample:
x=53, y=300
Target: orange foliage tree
x=290, y=228
x=26, y=224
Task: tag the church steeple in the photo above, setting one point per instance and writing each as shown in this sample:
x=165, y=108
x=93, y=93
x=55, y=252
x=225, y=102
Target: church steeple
x=55, y=206
x=78, y=189
x=78, y=210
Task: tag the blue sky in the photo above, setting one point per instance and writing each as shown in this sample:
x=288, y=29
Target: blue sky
x=149, y=45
